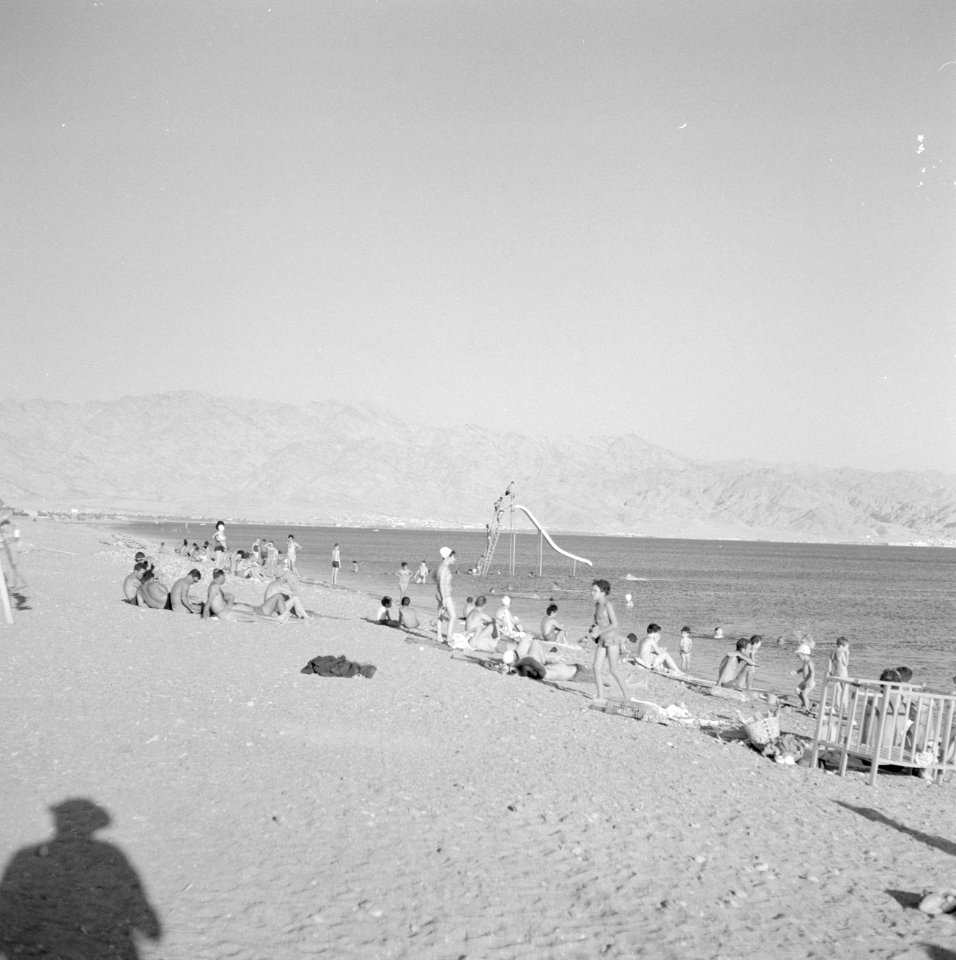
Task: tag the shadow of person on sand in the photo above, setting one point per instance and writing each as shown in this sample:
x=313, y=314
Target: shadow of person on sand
x=73, y=895
x=939, y=843
x=934, y=952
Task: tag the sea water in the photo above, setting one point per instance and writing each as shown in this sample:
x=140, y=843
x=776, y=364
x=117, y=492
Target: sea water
x=896, y=605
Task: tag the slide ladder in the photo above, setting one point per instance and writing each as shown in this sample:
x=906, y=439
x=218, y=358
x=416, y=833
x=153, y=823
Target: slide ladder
x=492, y=543
x=494, y=533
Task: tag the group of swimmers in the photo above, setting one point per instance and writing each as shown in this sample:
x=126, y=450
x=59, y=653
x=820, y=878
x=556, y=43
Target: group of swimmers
x=142, y=587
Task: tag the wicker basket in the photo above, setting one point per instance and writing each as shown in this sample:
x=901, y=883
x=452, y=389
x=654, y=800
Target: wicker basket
x=763, y=731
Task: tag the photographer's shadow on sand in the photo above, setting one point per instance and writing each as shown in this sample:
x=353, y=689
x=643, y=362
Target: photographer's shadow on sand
x=73, y=895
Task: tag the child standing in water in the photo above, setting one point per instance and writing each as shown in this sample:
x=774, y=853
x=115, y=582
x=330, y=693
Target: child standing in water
x=604, y=632
x=686, y=645
x=807, y=675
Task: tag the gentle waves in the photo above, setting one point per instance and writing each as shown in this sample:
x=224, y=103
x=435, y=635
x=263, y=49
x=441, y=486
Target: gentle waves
x=896, y=605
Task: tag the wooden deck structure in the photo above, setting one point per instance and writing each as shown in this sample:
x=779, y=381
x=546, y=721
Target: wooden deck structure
x=887, y=724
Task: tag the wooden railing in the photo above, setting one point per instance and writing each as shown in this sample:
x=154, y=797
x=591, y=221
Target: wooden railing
x=888, y=724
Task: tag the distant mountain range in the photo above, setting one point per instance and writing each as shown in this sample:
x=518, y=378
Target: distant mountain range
x=191, y=454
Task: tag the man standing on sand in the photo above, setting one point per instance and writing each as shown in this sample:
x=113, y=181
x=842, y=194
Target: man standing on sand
x=179, y=594
x=446, y=605
x=336, y=563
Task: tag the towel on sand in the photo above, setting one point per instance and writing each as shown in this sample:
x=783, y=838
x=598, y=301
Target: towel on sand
x=329, y=665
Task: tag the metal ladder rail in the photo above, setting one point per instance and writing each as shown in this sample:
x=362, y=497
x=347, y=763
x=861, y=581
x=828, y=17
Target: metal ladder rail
x=495, y=533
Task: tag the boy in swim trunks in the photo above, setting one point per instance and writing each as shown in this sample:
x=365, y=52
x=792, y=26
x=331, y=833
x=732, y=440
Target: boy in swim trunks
x=605, y=633
x=686, y=646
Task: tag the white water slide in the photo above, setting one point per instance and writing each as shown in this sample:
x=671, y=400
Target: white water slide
x=547, y=536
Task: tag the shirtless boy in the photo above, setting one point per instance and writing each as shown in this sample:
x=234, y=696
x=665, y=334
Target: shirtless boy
x=132, y=582
x=736, y=669
x=179, y=594
x=551, y=630
x=407, y=617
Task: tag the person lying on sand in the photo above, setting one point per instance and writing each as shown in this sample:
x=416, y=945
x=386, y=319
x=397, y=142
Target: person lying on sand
x=650, y=654
x=283, y=585
x=551, y=630
x=179, y=594
x=152, y=593
x=534, y=663
x=220, y=603
x=132, y=582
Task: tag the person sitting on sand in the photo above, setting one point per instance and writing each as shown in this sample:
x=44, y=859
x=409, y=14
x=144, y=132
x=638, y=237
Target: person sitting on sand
x=407, y=617
x=179, y=594
x=385, y=613
x=221, y=604
x=551, y=630
x=733, y=668
x=480, y=627
x=132, y=582
x=650, y=654
x=141, y=557
x=152, y=593
x=183, y=549
x=469, y=606
x=246, y=567
x=509, y=625
x=283, y=586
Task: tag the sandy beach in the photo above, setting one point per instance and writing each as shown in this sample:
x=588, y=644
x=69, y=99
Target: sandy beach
x=436, y=810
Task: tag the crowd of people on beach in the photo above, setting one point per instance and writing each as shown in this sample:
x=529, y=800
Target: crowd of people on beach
x=143, y=587
x=477, y=627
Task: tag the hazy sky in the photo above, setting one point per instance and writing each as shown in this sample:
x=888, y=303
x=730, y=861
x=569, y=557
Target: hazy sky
x=728, y=227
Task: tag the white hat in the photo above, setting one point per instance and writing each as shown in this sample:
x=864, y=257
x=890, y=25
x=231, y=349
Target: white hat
x=506, y=601
x=445, y=553
x=804, y=650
